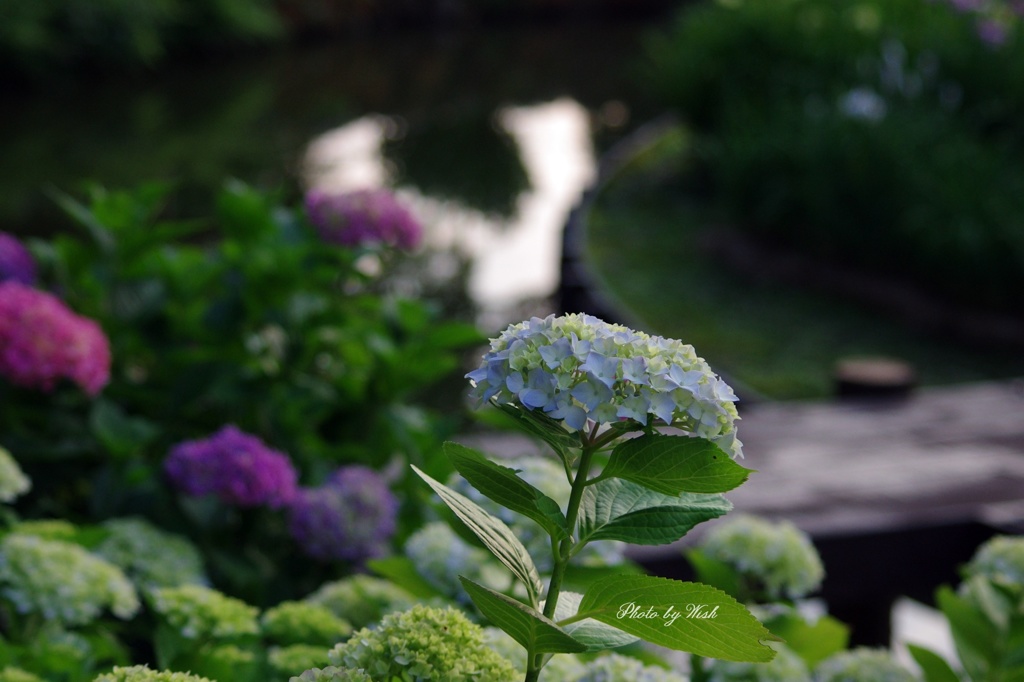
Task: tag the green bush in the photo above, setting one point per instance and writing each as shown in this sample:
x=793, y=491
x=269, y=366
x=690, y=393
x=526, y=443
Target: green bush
x=888, y=135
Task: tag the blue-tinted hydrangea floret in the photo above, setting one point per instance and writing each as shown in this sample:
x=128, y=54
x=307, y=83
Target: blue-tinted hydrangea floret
x=862, y=664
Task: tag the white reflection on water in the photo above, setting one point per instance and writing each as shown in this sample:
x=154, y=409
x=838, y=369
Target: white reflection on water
x=511, y=261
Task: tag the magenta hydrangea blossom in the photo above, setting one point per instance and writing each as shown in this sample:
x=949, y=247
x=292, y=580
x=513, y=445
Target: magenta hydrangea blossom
x=237, y=467
x=42, y=342
x=16, y=263
x=363, y=218
x=350, y=518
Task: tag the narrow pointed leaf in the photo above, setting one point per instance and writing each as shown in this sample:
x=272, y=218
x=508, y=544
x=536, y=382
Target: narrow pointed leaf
x=679, y=615
x=597, y=636
x=934, y=667
x=616, y=509
x=675, y=464
x=503, y=486
x=492, y=532
x=532, y=629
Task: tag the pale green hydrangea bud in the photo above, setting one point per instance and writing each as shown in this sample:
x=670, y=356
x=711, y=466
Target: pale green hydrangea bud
x=548, y=476
x=584, y=371
x=303, y=622
x=286, y=661
x=227, y=662
x=785, y=667
x=778, y=555
x=48, y=529
x=61, y=581
x=1000, y=560
x=199, y=612
x=13, y=481
x=862, y=664
x=12, y=674
x=361, y=599
x=618, y=668
x=441, y=556
x=150, y=556
x=425, y=643
x=142, y=673
x=333, y=674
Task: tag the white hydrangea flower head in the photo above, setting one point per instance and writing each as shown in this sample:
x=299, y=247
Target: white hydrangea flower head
x=862, y=664
x=13, y=481
x=332, y=674
x=61, y=581
x=785, y=667
x=584, y=371
x=151, y=557
x=1001, y=560
x=778, y=554
x=200, y=612
x=547, y=475
x=441, y=556
x=618, y=668
x=361, y=599
x=424, y=643
x=142, y=673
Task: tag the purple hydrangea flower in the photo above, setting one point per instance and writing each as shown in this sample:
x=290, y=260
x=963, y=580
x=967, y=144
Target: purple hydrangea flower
x=362, y=218
x=236, y=467
x=16, y=263
x=350, y=518
x=42, y=341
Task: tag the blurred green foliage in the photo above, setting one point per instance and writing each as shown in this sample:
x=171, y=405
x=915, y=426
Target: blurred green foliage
x=888, y=135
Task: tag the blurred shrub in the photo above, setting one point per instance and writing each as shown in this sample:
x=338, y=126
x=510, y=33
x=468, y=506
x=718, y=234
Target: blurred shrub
x=884, y=134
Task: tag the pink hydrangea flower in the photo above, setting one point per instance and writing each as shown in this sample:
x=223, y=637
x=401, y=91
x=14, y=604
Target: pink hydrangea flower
x=16, y=263
x=42, y=341
x=363, y=218
x=235, y=466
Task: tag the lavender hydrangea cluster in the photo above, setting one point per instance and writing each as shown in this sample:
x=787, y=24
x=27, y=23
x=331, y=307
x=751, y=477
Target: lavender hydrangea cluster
x=369, y=217
x=351, y=517
x=42, y=342
x=237, y=467
x=582, y=370
x=16, y=263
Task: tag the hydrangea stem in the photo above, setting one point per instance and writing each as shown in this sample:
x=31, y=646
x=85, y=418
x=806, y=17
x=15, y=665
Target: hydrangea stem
x=563, y=550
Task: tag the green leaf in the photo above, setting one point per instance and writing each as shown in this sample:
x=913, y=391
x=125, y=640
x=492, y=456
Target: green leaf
x=974, y=635
x=544, y=427
x=123, y=436
x=86, y=218
x=503, y=486
x=679, y=615
x=716, y=573
x=616, y=509
x=934, y=667
x=493, y=533
x=674, y=464
x=537, y=633
x=402, y=571
x=597, y=636
x=813, y=642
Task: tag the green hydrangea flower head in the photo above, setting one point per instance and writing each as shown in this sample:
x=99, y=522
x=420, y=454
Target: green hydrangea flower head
x=361, y=599
x=48, y=529
x=785, y=667
x=151, y=557
x=61, y=581
x=303, y=622
x=618, y=668
x=584, y=371
x=862, y=664
x=441, y=557
x=12, y=674
x=425, y=643
x=1001, y=560
x=142, y=673
x=332, y=674
x=285, y=661
x=199, y=612
x=13, y=481
x=777, y=555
